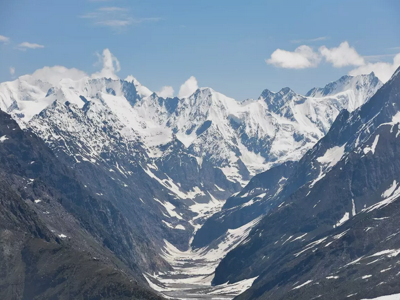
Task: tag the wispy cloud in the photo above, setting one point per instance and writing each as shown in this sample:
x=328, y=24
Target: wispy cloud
x=112, y=8
x=12, y=71
x=115, y=23
x=321, y=38
x=26, y=45
x=114, y=17
x=4, y=39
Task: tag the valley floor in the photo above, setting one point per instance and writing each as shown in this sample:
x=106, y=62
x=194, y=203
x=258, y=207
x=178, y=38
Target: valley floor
x=193, y=270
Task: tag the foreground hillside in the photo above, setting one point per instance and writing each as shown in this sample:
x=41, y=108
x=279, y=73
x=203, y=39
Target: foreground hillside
x=333, y=231
x=57, y=240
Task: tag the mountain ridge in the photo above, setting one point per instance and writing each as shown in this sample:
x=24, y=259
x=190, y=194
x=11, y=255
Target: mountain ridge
x=347, y=175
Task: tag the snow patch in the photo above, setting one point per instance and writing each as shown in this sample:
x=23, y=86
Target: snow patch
x=301, y=285
x=389, y=192
x=345, y=218
x=332, y=156
x=394, y=194
x=353, y=210
x=373, y=146
x=170, y=208
x=387, y=297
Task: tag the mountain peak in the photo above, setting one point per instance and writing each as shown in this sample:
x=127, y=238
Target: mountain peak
x=141, y=89
x=344, y=83
x=286, y=90
x=276, y=101
x=396, y=73
x=266, y=94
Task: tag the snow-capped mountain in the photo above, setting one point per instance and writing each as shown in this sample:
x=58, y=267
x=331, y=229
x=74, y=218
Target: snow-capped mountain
x=333, y=223
x=169, y=163
x=242, y=138
x=122, y=128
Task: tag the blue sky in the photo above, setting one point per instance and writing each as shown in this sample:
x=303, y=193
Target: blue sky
x=223, y=44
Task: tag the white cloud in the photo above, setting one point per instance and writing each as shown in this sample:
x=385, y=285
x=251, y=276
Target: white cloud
x=4, y=39
x=114, y=17
x=110, y=66
x=12, y=71
x=188, y=88
x=342, y=56
x=54, y=74
x=27, y=45
x=166, y=92
x=383, y=70
x=302, y=57
x=321, y=38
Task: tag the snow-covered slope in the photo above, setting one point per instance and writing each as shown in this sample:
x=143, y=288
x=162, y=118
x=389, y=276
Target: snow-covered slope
x=354, y=89
x=241, y=138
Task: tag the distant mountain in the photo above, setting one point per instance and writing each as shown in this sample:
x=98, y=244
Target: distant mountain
x=241, y=138
x=57, y=239
x=347, y=92
x=331, y=232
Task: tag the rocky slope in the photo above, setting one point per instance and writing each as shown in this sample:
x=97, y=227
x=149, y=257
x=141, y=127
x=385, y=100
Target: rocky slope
x=57, y=238
x=324, y=237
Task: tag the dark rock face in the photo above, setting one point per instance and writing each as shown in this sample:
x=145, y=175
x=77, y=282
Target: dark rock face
x=57, y=272
x=57, y=239
x=331, y=214
x=236, y=212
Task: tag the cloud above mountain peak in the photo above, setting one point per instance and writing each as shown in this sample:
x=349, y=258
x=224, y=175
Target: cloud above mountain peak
x=110, y=66
x=166, y=92
x=302, y=57
x=342, y=56
x=188, y=88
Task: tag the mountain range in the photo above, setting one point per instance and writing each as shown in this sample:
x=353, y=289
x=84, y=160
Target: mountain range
x=285, y=182
x=332, y=229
